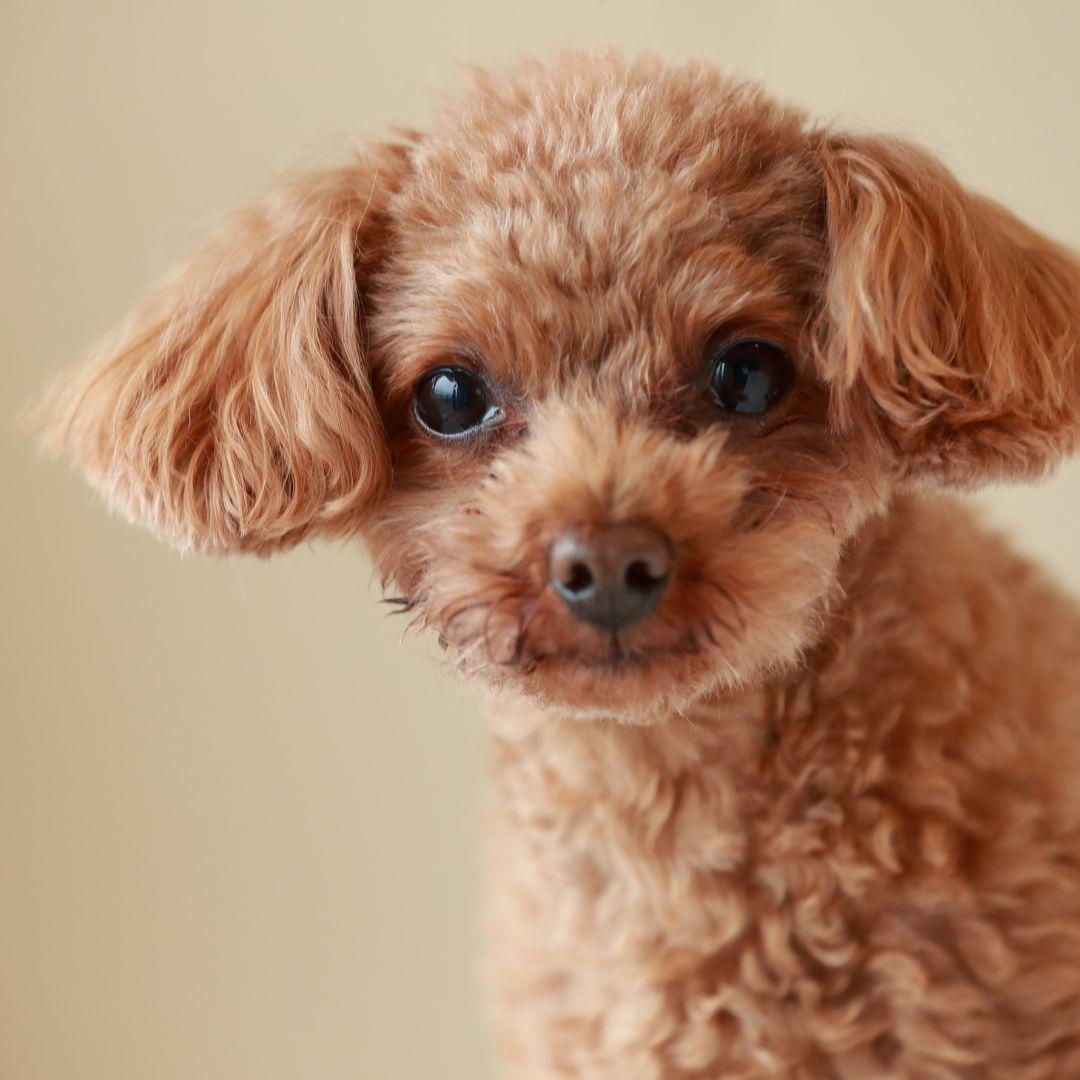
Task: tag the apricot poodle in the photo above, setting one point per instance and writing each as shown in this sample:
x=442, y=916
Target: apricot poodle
x=642, y=390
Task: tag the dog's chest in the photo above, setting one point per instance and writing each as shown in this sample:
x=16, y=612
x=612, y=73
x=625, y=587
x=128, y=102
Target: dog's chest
x=664, y=902
x=780, y=889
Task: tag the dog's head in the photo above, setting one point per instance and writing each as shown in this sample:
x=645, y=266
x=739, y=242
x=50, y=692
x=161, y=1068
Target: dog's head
x=608, y=369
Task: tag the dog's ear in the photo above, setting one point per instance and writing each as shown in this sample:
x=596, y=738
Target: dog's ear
x=234, y=410
x=945, y=320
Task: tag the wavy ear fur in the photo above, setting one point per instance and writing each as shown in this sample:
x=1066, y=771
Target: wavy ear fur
x=233, y=411
x=945, y=317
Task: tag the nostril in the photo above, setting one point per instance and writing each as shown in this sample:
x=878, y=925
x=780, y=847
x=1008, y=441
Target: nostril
x=580, y=579
x=640, y=578
x=572, y=567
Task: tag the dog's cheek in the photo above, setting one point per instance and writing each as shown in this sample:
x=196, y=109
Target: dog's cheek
x=399, y=536
x=766, y=591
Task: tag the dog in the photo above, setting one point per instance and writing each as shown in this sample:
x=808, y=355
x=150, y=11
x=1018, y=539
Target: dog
x=646, y=394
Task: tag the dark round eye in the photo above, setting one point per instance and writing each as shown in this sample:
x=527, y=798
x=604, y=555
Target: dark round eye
x=750, y=375
x=451, y=401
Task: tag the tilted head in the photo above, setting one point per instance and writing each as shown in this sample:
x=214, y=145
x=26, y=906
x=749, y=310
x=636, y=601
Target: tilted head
x=608, y=369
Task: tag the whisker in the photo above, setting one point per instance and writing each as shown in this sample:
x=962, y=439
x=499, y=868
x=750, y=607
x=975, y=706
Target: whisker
x=464, y=609
x=401, y=605
x=527, y=612
x=733, y=605
x=487, y=625
x=736, y=608
x=759, y=525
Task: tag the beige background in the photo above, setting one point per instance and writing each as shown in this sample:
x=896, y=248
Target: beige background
x=238, y=823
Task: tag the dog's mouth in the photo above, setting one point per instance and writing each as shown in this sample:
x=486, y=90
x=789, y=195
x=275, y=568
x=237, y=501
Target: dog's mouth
x=635, y=684
x=619, y=658
x=615, y=660
x=603, y=652
x=591, y=672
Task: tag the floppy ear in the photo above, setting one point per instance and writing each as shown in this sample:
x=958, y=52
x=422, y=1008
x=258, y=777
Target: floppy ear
x=234, y=410
x=944, y=318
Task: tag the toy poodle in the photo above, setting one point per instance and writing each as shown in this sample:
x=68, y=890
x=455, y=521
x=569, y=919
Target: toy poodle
x=644, y=392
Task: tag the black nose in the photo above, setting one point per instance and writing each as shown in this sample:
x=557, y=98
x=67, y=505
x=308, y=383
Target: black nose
x=610, y=575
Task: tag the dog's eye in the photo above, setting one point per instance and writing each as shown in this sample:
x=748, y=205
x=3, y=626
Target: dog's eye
x=451, y=401
x=749, y=375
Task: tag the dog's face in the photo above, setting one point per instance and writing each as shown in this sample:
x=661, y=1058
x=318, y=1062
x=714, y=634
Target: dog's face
x=614, y=478
x=608, y=369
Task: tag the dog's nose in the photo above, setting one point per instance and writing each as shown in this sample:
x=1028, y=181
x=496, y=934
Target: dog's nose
x=610, y=575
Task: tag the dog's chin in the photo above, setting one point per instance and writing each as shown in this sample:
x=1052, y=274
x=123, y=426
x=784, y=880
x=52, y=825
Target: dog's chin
x=638, y=689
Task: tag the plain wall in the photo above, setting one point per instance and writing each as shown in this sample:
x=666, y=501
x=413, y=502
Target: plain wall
x=239, y=821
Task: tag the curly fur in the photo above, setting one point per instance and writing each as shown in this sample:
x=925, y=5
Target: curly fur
x=819, y=815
